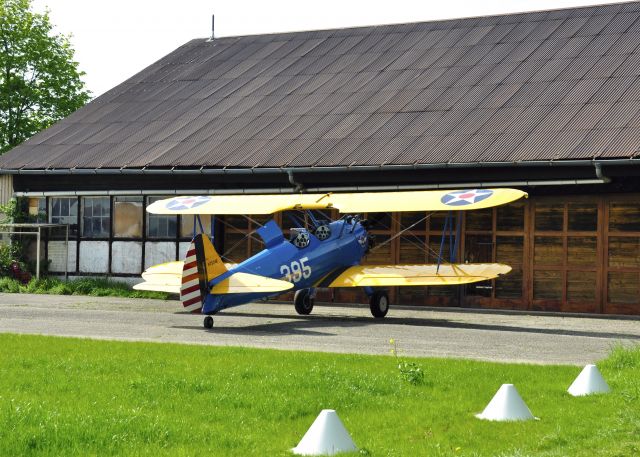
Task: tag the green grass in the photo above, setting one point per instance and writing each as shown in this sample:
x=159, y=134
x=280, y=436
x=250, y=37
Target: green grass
x=96, y=287
x=68, y=397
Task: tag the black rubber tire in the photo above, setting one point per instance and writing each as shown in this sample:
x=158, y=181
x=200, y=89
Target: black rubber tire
x=379, y=304
x=303, y=302
x=208, y=322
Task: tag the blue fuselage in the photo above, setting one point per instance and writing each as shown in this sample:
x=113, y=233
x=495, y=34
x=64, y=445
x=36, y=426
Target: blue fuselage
x=304, y=267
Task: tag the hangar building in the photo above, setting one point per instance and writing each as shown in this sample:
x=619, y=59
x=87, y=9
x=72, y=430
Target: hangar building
x=548, y=102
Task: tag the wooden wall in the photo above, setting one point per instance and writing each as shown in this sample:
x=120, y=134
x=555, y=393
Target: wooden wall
x=569, y=254
x=6, y=188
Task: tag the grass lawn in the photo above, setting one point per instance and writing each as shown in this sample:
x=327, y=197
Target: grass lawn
x=64, y=397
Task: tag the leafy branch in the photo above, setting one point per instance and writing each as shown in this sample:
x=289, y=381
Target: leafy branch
x=410, y=372
x=39, y=80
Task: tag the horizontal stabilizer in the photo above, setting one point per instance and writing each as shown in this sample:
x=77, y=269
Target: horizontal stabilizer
x=417, y=275
x=361, y=202
x=242, y=283
x=170, y=272
x=164, y=270
x=165, y=277
x=158, y=287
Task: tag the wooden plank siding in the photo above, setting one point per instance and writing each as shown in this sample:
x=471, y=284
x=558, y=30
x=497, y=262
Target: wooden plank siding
x=569, y=254
x=6, y=189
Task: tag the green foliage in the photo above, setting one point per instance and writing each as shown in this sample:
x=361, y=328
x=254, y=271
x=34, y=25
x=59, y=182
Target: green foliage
x=16, y=212
x=622, y=357
x=10, y=285
x=8, y=254
x=79, y=397
x=13, y=212
x=39, y=80
x=96, y=287
x=410, y=372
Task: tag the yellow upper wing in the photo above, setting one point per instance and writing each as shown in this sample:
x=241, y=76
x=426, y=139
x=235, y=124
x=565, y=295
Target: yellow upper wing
x=364, y=202
x=417, y=275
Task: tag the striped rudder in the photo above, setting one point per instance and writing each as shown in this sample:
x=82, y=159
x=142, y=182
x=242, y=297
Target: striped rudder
x=201, y=264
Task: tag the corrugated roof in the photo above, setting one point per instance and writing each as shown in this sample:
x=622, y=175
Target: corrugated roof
x=547, y=85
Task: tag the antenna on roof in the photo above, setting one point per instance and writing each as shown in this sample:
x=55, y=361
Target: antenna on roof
x=213, y=26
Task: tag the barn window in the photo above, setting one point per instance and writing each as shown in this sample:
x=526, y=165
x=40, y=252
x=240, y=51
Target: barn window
x=496, y=235
x=188, y=222
x=565, y=255
x=64, y=210
x=127, y=217
x=236, y=239
x=412, y=248
x=95, y=217
x=159, y=225
x=38, y=209
x=623, y=256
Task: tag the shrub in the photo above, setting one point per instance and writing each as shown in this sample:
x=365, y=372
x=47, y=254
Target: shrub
x=410, y=372
x=97, y=287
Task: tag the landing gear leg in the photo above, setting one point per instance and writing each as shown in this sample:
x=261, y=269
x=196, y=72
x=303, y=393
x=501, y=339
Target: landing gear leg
x=208, y=322
x=379, y=303
x=303, y=301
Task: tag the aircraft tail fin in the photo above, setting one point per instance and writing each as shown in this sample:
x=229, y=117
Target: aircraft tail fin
x=201, y=264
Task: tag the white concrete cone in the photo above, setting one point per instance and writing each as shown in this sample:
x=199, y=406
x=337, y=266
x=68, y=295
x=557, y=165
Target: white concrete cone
x=589, y=381
x=326, y=436
x=506, y=405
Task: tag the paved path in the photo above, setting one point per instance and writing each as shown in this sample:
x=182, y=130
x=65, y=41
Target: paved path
x=479, y=335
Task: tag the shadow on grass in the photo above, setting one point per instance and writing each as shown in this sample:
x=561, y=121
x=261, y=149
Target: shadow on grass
x=296, y=324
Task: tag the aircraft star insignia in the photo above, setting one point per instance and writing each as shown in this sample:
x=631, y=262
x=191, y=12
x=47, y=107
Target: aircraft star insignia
x=466, y=197
x=183, y=203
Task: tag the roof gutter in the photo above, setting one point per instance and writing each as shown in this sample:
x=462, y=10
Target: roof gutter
x=288, y=190
x=329, y=169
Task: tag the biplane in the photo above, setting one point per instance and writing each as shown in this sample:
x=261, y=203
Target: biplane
x=318, y=253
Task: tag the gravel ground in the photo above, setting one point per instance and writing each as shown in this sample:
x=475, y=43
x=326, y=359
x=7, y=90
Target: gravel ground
x=432, y=332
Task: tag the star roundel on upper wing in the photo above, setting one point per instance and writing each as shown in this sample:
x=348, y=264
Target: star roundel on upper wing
x=466, y=197
x=184, y=203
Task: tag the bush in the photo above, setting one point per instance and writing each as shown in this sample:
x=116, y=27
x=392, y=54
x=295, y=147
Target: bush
x=96, y=287
x=9, y=285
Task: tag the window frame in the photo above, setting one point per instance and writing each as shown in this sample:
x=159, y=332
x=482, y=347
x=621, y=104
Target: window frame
x=113, y=211
x=148, y=217
x=108, y=217
x=50, y=215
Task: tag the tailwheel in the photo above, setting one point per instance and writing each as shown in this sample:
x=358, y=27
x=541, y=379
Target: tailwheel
x=208, y=322
x=379, y=303
x=303, y=302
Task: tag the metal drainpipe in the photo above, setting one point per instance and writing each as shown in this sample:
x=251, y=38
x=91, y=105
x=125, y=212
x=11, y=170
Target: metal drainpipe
x=298, y=187
x=599, y=174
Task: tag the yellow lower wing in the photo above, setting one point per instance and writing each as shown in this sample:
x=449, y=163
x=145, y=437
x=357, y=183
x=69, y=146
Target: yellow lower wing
x=418, y=275
x=243, y=283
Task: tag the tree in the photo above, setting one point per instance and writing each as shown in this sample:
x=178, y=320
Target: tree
x=39, y=80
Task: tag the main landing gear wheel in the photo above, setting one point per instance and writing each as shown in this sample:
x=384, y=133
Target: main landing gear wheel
x=303, y=302
x=208, y=322
x=379, y=304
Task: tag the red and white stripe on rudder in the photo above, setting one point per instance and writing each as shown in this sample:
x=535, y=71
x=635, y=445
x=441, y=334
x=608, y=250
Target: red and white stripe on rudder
x=190, y=295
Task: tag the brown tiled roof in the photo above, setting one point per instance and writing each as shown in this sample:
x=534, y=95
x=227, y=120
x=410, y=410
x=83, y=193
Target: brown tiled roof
x=538, y=86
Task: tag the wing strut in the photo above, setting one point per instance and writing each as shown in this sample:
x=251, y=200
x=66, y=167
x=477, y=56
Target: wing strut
x=454, y=239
